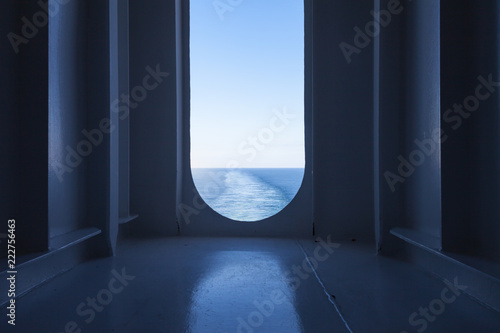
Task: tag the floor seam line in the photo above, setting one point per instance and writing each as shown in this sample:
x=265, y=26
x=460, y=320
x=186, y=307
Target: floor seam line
x=324, y=288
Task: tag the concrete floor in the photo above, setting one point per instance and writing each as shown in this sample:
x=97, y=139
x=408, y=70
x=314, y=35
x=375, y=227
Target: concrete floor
x=248, y=285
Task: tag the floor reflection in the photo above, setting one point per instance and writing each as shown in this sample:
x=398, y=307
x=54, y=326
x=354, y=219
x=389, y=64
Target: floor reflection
x=243, y=292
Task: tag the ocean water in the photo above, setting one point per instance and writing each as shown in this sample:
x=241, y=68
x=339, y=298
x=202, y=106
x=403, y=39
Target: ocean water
x=248, y=194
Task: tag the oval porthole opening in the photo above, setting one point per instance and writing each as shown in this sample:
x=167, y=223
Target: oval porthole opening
x=247, y=106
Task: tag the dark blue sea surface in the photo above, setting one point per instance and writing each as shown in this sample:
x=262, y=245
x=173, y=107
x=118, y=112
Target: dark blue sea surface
x=248, y=194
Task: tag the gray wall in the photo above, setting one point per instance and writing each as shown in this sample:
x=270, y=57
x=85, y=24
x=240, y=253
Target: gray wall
x=9, y=120
x=389, y=120
x=342, y=122
x=470, y=161
x=40, y=122
x=33, y=115
x=153, y=123
x=79, y=94
x=408, y=83
x=102, y=194
x=24, y=138
x=422, y=189
x=68, y=116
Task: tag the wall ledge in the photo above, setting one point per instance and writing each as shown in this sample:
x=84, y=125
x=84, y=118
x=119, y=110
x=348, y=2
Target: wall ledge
x=33, y=270
x=480, y=275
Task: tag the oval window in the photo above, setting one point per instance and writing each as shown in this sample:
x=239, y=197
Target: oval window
x=247, y=105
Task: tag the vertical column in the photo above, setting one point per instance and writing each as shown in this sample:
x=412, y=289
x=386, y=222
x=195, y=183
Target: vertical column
x=124, y=115
x=419, y=164
x=32, y=219
x=102, y=190
x=471, y=119
x=409, y=118
x=153, y=120
x=10, y=17
x=391, y=97
x=71, y=140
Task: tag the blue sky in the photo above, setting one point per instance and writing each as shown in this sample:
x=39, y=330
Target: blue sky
x=247, y=69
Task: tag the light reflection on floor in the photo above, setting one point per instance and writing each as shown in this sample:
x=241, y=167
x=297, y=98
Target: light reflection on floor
x=251, y=289
x=203, y=285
